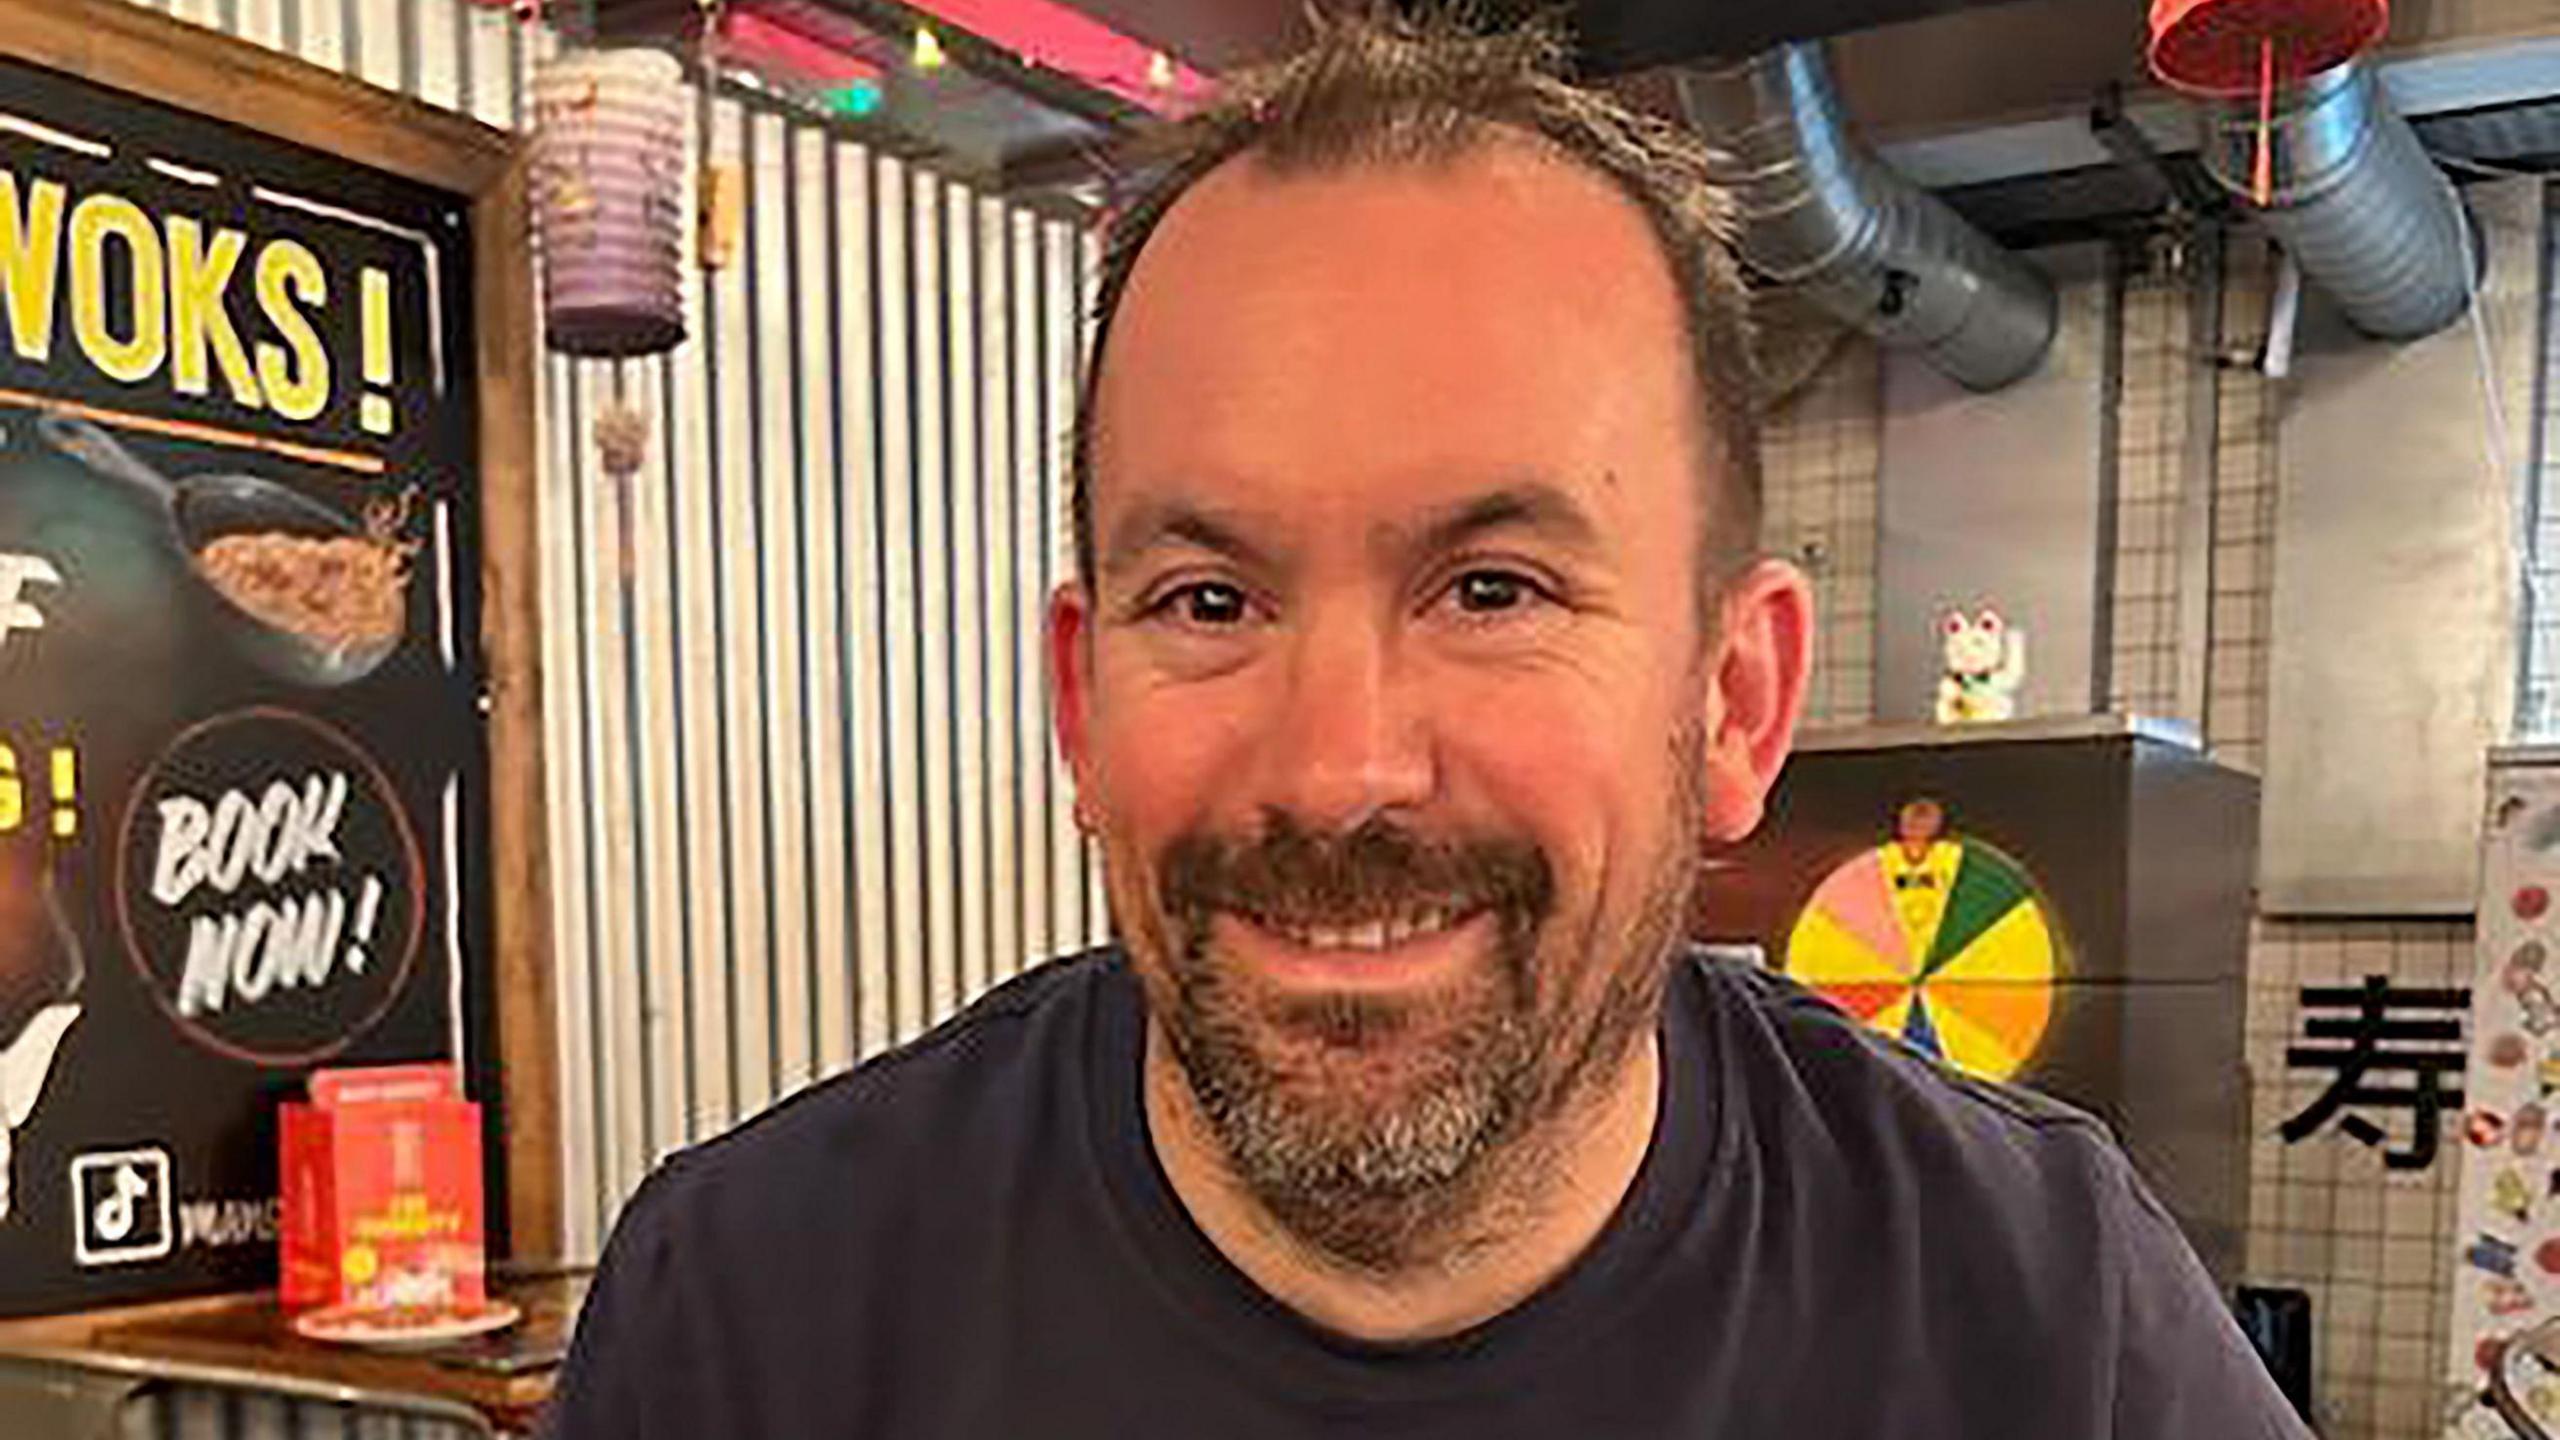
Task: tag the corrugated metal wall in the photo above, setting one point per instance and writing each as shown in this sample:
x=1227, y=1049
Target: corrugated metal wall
x=804, y=803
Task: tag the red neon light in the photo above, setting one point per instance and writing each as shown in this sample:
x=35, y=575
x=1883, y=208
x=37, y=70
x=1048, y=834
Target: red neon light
x=767, y=43
x=1050, y=34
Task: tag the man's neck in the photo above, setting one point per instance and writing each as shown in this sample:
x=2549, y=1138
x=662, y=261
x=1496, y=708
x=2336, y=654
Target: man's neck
x=1532, y=1223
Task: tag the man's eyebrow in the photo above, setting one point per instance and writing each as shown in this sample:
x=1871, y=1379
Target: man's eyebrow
x=1534, y=505
x=1178, y=522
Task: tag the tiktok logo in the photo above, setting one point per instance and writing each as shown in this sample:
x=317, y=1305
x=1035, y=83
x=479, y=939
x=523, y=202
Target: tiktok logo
x=17, y=573
x=120, y=1203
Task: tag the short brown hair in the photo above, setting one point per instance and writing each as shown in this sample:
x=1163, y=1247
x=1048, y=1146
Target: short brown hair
x=1378, y=87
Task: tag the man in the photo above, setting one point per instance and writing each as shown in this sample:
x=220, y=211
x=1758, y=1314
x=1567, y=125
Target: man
x=1416, y=651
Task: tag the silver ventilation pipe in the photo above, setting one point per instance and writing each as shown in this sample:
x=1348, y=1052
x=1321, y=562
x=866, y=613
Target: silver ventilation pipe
x=2356, y=202
x=1821, y=214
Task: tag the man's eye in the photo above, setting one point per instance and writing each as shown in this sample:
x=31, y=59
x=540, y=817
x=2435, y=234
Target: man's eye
x=1490, y=592
x=1209, y=603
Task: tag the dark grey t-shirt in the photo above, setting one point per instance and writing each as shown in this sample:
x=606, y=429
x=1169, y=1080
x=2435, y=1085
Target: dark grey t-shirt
x=1831, y=1236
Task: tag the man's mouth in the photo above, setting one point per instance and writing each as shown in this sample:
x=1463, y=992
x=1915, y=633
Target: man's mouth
x=1404, y=952
x=1376, y=935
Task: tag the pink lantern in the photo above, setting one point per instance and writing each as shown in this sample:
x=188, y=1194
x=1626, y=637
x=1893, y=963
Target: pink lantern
x=2230, y=48
x=609, y=169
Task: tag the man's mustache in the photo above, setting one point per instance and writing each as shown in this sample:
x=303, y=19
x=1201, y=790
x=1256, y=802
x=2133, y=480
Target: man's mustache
x=1381, y=870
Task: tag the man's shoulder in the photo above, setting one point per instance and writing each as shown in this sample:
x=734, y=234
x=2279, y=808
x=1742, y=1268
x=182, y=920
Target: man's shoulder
x=1994, y=1226
x=981, y=1089
x=753, y=1277
x=1813, y=1079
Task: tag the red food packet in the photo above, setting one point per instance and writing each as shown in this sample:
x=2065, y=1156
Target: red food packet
x=381, y=1192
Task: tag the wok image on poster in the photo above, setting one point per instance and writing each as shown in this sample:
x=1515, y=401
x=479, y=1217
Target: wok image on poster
x=257, y=355
x=302, y=590
x=268, y=883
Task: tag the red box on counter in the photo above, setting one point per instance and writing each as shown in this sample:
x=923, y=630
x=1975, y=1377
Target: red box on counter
x=381, y=1192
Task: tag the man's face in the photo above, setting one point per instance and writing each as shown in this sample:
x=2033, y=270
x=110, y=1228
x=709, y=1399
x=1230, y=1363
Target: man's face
x=1393, y=701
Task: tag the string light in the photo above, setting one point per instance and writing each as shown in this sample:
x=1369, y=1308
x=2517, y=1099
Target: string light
x=928, y=54
x=860, y=98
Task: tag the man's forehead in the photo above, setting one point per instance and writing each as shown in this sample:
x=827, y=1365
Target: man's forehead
x=1391, y=338
x=1512, y=195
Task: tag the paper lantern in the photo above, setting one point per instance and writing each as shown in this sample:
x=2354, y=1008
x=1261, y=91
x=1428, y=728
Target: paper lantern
x=609, y=163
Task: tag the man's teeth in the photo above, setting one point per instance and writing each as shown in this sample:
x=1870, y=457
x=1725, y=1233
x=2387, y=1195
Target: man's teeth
x=1372, y=935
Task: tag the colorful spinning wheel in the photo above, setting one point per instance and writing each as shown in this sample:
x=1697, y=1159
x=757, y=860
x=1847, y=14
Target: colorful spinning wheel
x=1942, y=941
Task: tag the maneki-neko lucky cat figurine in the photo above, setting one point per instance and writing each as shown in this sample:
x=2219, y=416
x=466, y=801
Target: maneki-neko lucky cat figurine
x=1985, y=664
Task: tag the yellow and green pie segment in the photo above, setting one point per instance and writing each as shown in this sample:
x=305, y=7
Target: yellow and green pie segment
x=1944, y=944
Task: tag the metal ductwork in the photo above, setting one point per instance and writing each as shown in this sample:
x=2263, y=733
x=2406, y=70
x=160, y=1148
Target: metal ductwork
x=2356, y=202
x=1821, y=214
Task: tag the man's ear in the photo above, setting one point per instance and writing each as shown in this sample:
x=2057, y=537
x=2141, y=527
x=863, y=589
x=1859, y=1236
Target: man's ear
x=1756, y=694
x=1071, y=673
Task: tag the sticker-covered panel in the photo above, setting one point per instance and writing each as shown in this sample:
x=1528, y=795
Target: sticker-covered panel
x=2507, y=1227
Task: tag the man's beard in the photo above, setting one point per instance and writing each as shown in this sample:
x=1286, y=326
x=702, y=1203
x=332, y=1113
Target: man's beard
x=1385, y=1133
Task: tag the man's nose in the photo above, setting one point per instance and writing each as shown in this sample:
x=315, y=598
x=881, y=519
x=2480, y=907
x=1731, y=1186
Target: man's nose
x=1351, y=738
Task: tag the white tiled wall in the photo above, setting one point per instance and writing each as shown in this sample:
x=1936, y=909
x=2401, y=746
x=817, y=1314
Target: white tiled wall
x=1818, y=509
x=2325, y=1215
x=2151, y=447
x=2368, y=1243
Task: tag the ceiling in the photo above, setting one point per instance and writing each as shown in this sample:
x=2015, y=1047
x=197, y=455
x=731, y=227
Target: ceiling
x=1614, y=36
x=977, y=117
x=1936, y=84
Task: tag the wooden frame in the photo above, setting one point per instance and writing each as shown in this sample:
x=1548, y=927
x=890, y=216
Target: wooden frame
x=123, y=46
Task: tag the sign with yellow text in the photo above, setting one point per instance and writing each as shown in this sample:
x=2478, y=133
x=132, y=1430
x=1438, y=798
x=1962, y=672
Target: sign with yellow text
x=242, y=762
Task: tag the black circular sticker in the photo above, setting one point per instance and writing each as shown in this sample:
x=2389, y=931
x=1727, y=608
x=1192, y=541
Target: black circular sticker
x=269, y=886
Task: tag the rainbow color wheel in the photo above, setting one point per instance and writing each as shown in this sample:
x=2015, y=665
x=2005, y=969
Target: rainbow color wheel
x=1948, y=947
